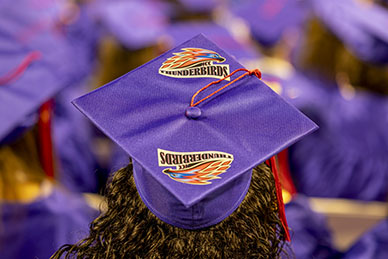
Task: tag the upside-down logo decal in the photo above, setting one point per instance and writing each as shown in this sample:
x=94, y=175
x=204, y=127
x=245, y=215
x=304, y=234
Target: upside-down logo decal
x=194, y=62
x=194, y=167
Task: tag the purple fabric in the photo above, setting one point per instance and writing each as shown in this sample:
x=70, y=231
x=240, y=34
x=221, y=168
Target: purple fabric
x=346, y=157
x=130, y=22
x=22, y=31
x=310, y=235
x=372, y=245
x=73, y=148
x=119, y=158
x=38, y=229
x=180, y=32
x=22, y=97
x=145, y=111
x=36, y=26
x=269, y=19
x=362, y=27
x=82, y=36
x=72, y=138
x=199, y=6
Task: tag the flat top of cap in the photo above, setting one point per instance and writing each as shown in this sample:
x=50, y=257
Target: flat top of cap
x=144, y=111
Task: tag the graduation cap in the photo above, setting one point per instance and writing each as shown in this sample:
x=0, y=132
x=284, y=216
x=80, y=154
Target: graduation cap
x=361, y=26
x=34, y=67
x=23, y=88
x=37, y=27
x=181, y=31
x=136, y=24
x=268, y=20
x=194, y=139
x=199, y=6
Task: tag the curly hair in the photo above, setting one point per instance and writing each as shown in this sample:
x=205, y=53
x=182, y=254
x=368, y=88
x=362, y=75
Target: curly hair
x=129, y=230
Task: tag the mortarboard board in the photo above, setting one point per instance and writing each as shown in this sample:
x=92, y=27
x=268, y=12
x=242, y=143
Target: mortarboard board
x=181, y=31
x=269, y=19
x=193, y=153
x=362, y=27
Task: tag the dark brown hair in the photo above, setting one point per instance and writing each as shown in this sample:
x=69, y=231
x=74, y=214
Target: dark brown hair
x=129, y=230
x=19, y=163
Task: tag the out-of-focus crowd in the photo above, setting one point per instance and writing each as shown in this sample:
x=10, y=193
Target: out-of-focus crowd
x=328, y=58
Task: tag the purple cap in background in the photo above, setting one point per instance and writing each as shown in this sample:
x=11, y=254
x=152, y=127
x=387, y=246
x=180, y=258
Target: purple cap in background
x=192, y=163
x=200, y=6
x=269, y=19
x=362, y=27
x=43, y=50
x=136, y=24
x=27, y=85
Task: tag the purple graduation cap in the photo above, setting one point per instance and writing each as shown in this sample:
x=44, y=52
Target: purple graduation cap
x=194, y=140
x=269, y=19
x=361, y=26
x=25, y=84
x=136, y=24
x=37, y=61
x=199, y=6
x=181, y=31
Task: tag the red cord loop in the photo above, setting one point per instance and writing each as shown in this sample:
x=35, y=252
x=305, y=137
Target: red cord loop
x=255, y=72
x=19, y=70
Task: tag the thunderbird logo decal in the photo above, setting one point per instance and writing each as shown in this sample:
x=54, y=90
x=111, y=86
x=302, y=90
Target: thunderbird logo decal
x=198, y=168
x=194, y=62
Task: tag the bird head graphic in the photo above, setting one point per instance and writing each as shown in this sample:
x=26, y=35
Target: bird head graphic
x=191, y=57
x=200, y=173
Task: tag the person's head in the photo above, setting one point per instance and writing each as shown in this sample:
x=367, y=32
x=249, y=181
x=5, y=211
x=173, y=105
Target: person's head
x=340, y=47
x=192, y=161
x=128, y=229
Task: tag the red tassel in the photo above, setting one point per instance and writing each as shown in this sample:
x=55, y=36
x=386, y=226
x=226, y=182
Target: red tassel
x=282, y=213
x=45, y=140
